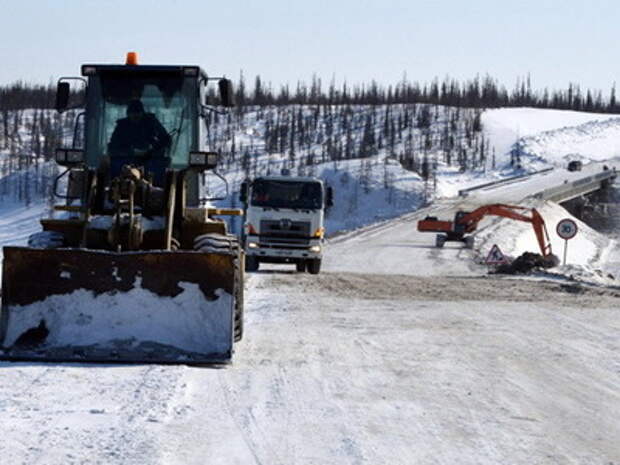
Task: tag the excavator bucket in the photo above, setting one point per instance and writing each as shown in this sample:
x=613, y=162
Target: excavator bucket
x=131, y=307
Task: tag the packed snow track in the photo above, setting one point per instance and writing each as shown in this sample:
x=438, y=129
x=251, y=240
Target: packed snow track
x=350, y=368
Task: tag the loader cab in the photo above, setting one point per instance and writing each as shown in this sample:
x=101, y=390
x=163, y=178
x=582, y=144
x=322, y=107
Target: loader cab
x=168, y=95
x=171, y=126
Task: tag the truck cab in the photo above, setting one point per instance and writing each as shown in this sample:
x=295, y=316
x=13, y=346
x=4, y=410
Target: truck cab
x=284, y=221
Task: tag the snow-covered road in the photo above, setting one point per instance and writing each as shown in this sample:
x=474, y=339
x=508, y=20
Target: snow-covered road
x=396, y=247
x=350, y=369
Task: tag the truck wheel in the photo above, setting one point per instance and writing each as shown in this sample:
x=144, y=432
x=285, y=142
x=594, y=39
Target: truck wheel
x=251, y=263
x=301, y=266
x=440, y=240
x=314, y=266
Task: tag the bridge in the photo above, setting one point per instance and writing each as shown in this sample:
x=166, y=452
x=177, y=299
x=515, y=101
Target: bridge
x=558, y=185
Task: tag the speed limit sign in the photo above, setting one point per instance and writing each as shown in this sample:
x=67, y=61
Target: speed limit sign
x=566, y=229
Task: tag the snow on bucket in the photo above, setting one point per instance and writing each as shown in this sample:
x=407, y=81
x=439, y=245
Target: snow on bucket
x=82, y=305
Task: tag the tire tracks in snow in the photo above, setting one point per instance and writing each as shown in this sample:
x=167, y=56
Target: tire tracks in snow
x=95, y=414
x=243, y=427
x=147, y=405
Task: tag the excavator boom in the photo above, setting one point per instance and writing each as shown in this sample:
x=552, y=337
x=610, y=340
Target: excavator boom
x=467, y=222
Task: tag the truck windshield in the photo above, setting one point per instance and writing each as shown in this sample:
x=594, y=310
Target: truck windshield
x=162, y=129
x=287, y=194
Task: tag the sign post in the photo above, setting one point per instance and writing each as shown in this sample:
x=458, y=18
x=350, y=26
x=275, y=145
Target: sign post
x=566, y=229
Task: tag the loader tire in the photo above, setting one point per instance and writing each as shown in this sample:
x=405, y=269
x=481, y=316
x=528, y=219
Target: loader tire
x=218, y=243
x=46, y=240
x=239, y=298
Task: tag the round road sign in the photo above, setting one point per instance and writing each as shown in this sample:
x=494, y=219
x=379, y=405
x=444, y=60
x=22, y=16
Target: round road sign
x=566, y=228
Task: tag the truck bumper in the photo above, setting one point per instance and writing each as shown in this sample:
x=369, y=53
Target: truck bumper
x=288, y=253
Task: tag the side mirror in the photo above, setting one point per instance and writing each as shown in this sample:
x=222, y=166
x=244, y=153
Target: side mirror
x=203, y=160
x=227, y=95
x=69, y=157
x=243, y=192
x=329, y=197
x=62, y=96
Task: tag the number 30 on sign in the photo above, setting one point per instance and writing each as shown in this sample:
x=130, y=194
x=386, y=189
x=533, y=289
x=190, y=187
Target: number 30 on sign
x=566, y=229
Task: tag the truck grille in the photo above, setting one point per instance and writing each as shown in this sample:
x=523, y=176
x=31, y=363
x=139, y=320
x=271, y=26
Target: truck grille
x=284, y=232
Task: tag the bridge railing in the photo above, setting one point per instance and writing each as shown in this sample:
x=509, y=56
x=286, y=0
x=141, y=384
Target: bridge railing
x=465, y=192
x=576, y=188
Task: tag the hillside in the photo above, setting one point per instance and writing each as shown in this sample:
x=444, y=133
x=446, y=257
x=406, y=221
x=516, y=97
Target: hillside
x=382, y=161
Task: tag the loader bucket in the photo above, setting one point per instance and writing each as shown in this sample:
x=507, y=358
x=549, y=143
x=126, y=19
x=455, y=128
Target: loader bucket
x=131, y=307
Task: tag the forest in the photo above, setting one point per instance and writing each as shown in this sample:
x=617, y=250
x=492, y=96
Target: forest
x=419, y=125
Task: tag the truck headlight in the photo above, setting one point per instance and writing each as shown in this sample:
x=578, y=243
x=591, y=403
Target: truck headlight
x=252, y=245
x=315, y=249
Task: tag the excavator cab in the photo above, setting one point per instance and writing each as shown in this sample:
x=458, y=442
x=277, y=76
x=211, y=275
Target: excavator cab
x=133, y=265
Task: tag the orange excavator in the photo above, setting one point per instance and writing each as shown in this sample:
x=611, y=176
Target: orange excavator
x=467, y=222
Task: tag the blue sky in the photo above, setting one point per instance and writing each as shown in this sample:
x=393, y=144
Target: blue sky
x=284, y=41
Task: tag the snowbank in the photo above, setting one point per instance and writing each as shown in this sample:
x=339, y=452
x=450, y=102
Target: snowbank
x=504, y=126
x=591, y=141
x=586, y=252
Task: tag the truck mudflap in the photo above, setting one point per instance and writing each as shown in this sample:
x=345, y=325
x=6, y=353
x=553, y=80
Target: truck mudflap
x=75, y=305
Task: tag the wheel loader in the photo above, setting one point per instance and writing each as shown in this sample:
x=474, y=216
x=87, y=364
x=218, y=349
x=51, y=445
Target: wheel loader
x=133, y=265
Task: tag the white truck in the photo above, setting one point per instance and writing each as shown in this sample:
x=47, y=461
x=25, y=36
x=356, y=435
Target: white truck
x=284, y=221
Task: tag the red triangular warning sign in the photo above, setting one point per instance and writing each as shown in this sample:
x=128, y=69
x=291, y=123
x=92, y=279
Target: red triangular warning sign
x=495, y=257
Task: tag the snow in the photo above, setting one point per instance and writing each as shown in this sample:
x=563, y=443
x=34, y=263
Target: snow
x=591, y=141
x=186, y=321
x=506, y=125
x=335, y=370
x=101, y=222
x=587, y=252
x=396, y=247
x=358, y=205
x=398, y=352
x=18, y=222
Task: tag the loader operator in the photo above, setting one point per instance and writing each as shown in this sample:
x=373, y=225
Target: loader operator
x=139, y=139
